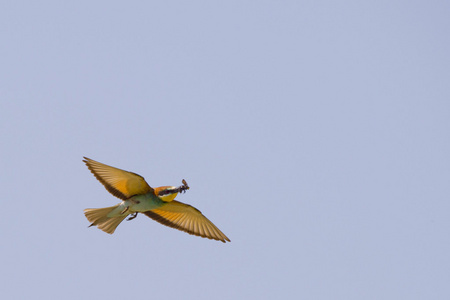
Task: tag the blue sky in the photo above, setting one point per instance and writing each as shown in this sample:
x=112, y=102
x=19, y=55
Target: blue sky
x=314, y=134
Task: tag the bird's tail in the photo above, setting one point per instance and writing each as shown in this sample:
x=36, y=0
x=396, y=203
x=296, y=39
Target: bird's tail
x=99, y=217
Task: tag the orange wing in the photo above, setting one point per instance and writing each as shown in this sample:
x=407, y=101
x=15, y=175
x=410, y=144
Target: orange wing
x=120, y=183
x=186, y=218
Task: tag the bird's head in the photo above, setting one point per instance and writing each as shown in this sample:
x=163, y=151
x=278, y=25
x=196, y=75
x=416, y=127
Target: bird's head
x=168, y=193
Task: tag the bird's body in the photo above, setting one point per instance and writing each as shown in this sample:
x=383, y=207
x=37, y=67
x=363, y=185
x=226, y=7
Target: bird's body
x=141, y=203
x=139, y=197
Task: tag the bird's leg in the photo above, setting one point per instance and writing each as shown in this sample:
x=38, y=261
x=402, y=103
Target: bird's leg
x=125, y=210
x=133, y=216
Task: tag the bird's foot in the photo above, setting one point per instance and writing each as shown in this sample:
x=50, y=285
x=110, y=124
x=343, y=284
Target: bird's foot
x=133, y=216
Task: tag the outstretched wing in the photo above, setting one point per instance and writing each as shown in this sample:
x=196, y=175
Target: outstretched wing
x=120, y=183
x=186, y=218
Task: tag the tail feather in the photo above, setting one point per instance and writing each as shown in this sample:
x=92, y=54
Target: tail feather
x=99, y=217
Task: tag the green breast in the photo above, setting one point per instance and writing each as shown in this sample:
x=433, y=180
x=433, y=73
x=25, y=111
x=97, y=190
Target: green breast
x=145, y=202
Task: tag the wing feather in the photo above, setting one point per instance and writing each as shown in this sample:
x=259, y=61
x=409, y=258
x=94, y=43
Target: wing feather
x=186, y=218
x=120, y=183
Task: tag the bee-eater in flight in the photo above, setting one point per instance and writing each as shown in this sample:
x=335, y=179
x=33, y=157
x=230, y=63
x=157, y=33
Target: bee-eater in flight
x=138, y=197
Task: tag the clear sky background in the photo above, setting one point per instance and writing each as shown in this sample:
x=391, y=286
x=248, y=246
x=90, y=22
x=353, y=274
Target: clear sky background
x=314, y=134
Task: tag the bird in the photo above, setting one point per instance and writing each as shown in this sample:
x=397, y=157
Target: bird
x=138, y=197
